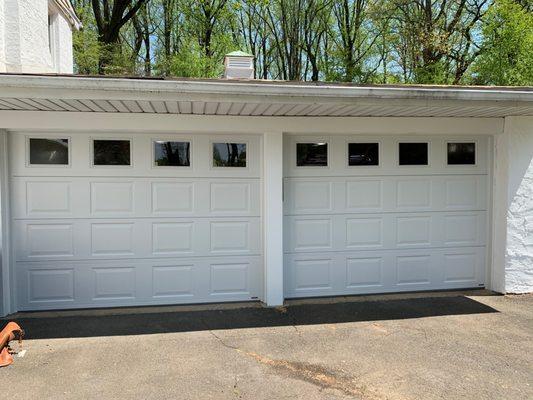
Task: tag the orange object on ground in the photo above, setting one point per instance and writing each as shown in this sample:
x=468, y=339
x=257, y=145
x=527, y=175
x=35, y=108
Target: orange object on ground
x=11, y=332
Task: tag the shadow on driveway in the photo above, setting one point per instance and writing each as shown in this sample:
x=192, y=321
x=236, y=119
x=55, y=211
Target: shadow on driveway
x=305, y=314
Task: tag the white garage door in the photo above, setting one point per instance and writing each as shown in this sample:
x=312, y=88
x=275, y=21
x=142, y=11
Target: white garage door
x=384, y=214
x=130, y=219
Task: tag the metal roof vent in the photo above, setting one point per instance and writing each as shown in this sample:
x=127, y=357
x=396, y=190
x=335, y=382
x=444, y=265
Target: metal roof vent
x=239, y=65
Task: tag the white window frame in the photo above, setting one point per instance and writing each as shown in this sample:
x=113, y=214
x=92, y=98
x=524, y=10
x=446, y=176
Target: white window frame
x=476, y=151
x=69, y=150
x=172, y=139
x=91, y=161
x=212, y=165
x=53, y=35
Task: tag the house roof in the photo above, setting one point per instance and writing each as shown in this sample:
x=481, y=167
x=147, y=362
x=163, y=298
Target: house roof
x=257, y=97
x=66, y=8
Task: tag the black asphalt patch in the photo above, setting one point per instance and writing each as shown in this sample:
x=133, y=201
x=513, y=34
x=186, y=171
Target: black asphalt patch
x=191, y=321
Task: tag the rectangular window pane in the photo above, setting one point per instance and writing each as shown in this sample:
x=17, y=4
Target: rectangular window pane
x=461, y=153
x=49, y=151
x=229, y=154
x=312, y=154
x=111, y=152
x=172, y=154
x=413, y=154
x=363, y=154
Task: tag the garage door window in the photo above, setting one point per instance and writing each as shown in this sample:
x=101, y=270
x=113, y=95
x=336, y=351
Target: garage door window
x=363, y=154
x=311, y=154
x=461, y=153
x=229, y=154
x=413, y=153
x=172, y=154
x=51, y=151
x=111, y=152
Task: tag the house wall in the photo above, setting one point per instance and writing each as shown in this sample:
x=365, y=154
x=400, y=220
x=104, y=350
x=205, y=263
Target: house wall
x=518, y=132
x=64, y=52
x=2, y=34
x=26, y=38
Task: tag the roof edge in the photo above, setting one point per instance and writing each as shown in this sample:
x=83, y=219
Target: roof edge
x=92, y=87
x=66, y=8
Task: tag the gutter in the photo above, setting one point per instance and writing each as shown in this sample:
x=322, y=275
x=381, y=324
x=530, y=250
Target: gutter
x=64, y=87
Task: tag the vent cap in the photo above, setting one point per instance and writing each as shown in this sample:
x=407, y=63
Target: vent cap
x=239, y=65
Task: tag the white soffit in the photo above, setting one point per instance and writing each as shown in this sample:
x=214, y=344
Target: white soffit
x=256, y=98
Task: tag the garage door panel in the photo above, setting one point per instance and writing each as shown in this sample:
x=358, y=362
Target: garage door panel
x=135, y=238
x=105, y=283
x=334, y=195
x=381, y=271
x=80, y=148
x=388, y=156
x=344, y=232
x=364, y=272
x=136, y=197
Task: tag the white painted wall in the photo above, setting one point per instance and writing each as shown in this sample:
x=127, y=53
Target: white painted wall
x=26, y=38
x=519, y=249
x=64, y=52
x=2, y=34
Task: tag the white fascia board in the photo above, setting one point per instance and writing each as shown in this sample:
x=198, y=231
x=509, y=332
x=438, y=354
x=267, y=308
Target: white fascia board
x=147, y=89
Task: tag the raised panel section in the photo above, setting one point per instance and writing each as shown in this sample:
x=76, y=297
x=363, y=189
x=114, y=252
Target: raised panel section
x=460, y=267
x=363, y=195
x=461, y=229
x=364, y=272
x=46, y=285
x=229, y=278
x=112, y=239
x=312, y=274
x=172, y=238
x=172, y=197
x=49, y=240
x=47, y=198
x=413, y=231
x=111, y=198
x=230, y=197
x=364, y=232
x=412, y=270
x=312, y=234
x=413, y=194
x=461, y=193
x=230, y=236
x=114, y=283
x=172, y=280
x=312, y=196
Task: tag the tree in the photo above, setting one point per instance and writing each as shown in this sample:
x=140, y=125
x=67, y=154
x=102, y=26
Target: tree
x=110, y=16
x=437, y=37
x=507, y=53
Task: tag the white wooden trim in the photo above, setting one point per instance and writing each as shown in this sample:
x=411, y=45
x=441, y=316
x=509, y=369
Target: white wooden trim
x=500, y=189
x=7, y=305
x=176, y=124
x=273, y=217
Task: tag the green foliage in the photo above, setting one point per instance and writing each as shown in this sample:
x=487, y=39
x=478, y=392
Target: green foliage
x=191, y=62
x=486, y=42
x=85, y=43
x=507, y=56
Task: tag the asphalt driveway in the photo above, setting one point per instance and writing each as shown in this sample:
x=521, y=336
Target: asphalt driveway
x=424, y=346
